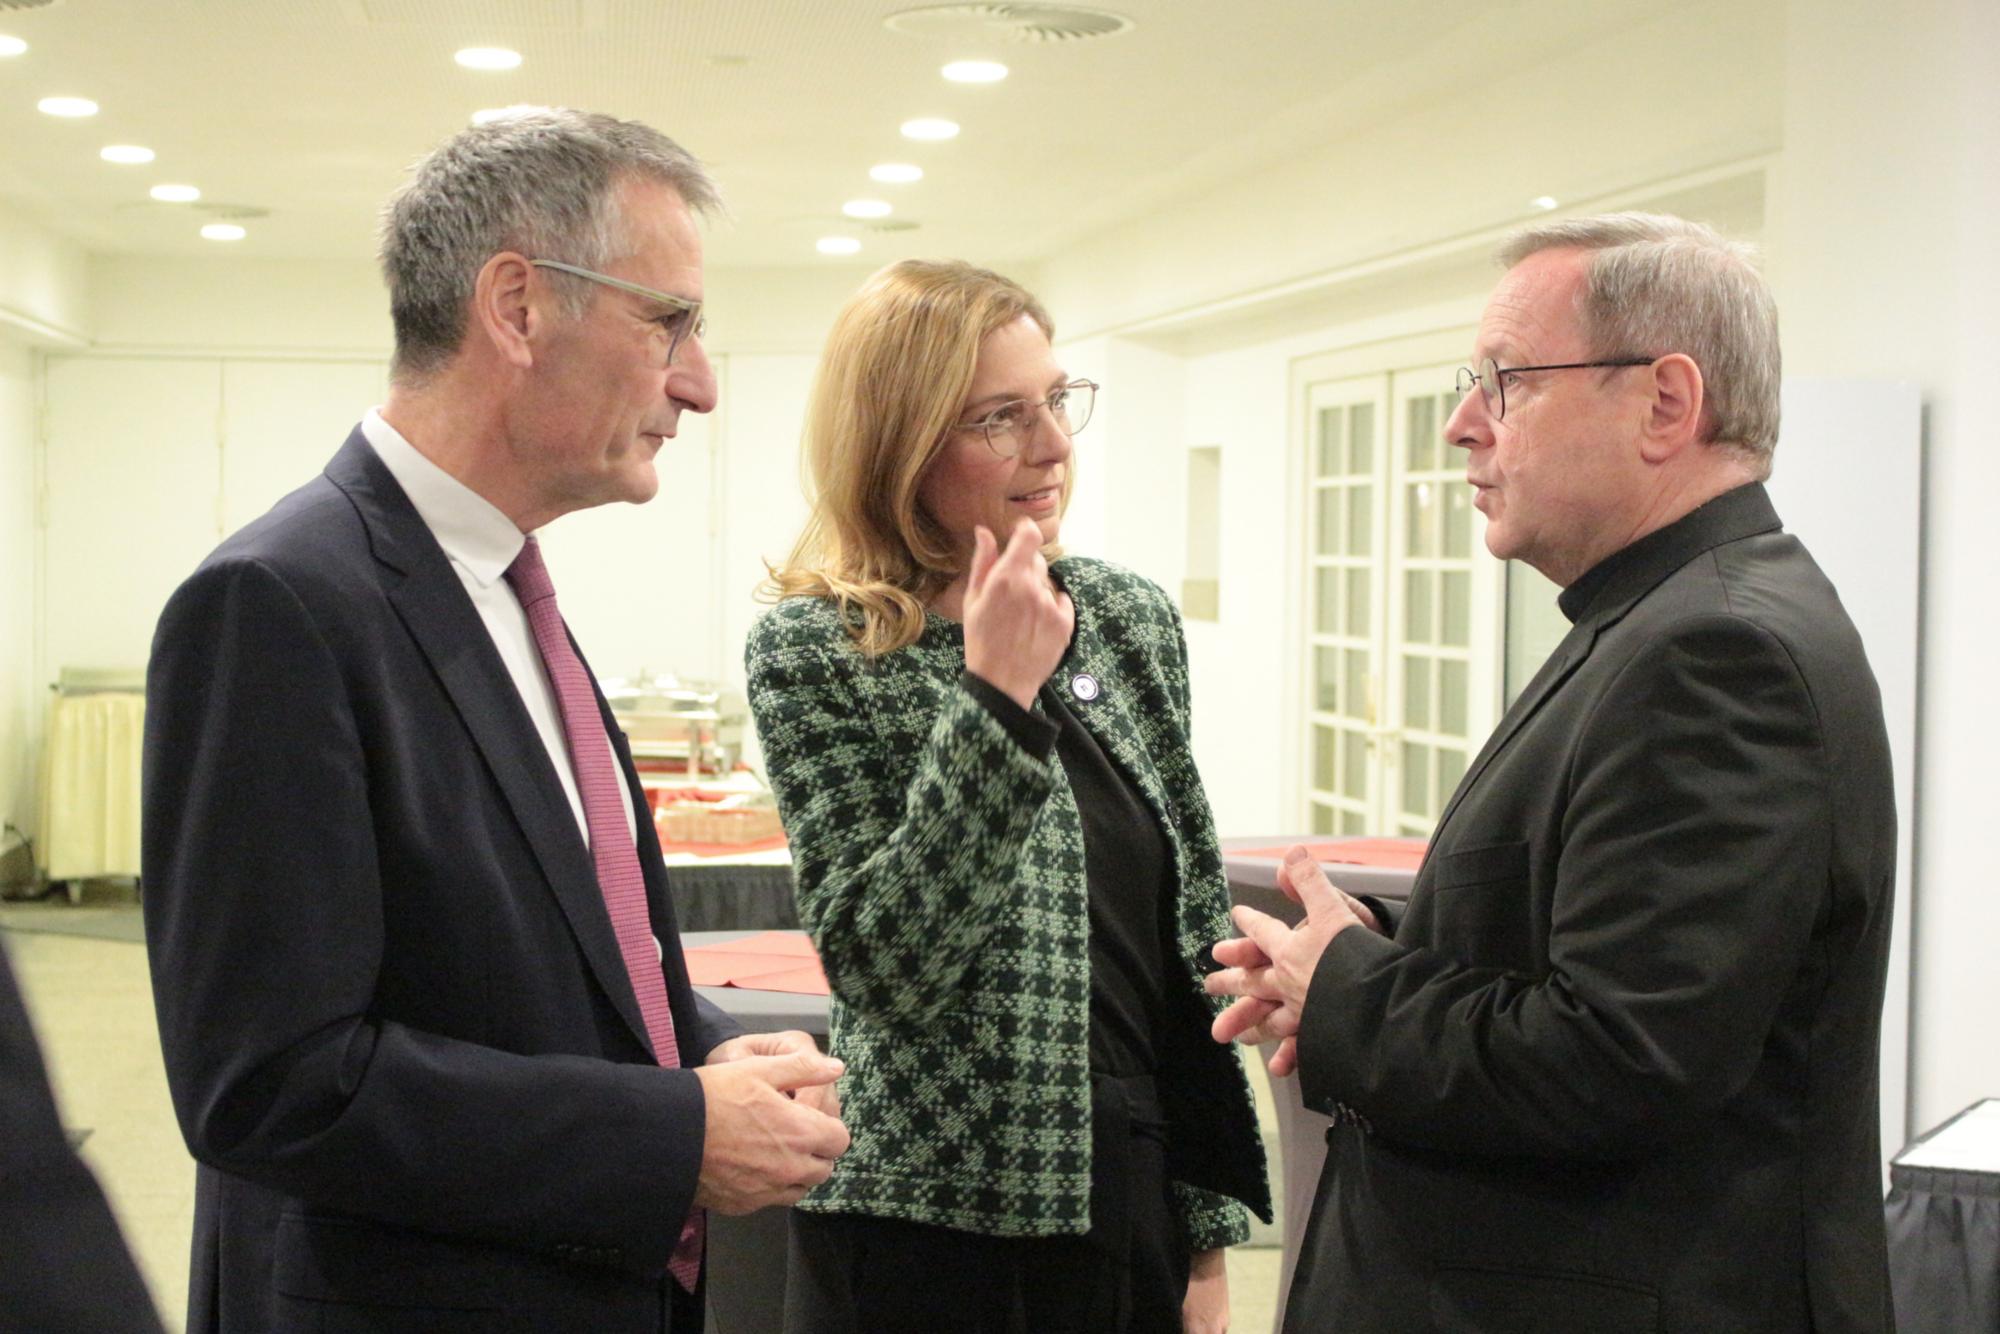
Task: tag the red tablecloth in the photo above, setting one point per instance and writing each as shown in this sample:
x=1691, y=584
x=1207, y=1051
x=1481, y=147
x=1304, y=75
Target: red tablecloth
x=768, y=961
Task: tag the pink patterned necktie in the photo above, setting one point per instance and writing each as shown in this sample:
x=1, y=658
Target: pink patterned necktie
x=611, y=847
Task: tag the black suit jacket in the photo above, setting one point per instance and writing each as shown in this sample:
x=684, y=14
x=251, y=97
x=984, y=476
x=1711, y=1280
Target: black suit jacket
x=63, y=1265
x=1616, y=1070
x=400, y=1039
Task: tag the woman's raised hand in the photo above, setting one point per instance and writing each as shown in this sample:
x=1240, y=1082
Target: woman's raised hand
x=1017, y=624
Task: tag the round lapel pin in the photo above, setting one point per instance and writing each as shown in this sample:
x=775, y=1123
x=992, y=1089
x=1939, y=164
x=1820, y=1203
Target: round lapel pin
x=1084, y=686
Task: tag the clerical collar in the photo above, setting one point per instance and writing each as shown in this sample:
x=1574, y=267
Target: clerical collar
x=1630, y=571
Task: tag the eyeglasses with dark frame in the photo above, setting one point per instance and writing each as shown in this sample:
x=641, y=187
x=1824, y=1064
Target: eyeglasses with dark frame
x=684, y=323
x=1487, y=377
x=1008, y=426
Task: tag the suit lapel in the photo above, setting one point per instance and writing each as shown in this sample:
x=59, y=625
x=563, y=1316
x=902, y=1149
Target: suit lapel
x=1561, y=664
x=427, y=595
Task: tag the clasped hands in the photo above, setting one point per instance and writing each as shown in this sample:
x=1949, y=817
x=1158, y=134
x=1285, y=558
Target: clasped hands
x=1269, y=968
x=772, y=1121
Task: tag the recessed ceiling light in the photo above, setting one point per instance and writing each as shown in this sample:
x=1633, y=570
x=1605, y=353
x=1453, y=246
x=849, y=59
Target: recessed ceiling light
x=1543, y=202
x=175, y=194
x=12, y=46
x=488, y=57
x=127, y=155
x=223, y=231
x=69, y=107
x=974, y=71
x=895, y=173
x=837, y=245
x=867, y=208
x=930, y=127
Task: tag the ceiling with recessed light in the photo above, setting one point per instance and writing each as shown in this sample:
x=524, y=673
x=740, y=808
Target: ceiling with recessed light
x=294, y=118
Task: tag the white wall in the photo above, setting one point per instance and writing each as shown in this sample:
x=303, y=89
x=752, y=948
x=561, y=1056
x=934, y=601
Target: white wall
x=19, y=692
x=1885, y=267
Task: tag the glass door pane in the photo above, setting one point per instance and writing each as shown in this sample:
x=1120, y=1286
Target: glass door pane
x=1344, y=601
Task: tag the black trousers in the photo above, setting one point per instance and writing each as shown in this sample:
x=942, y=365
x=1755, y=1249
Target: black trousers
x=856, y=1274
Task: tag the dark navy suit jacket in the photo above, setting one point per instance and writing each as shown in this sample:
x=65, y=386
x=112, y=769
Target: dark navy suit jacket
x=401, y=1041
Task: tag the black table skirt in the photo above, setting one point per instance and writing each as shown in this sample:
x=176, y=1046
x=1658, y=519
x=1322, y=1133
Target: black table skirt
x=1944, y=1249
x=733, y=898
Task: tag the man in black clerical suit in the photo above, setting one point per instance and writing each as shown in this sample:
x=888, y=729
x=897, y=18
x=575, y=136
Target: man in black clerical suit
x=1614, y=1066
x=427, y=1025
x=63, y=1265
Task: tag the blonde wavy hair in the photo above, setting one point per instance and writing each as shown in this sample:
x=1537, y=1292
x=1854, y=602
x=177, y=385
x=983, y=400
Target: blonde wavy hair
x=892, y=382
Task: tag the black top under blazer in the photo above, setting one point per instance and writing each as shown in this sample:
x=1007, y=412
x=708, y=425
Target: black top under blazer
x=398, y=1032
x=1616, y=1070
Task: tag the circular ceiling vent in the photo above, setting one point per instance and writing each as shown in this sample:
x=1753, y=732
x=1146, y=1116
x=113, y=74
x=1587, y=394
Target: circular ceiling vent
x=1004, y=22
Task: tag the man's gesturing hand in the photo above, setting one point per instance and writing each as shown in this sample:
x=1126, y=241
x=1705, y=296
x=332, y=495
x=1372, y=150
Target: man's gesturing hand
x=1271, y=968
x=1017, y=625
x=764, y=1147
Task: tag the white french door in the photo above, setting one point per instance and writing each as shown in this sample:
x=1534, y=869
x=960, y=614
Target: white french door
x=1345, y=620
x=1404, y=617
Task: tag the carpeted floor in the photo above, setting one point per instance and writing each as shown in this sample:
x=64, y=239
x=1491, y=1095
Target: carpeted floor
x=107, y=910
x=63, y=920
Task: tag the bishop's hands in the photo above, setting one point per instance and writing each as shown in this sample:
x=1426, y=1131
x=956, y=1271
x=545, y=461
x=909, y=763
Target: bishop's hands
x=1271, y=966
x=1017, y=622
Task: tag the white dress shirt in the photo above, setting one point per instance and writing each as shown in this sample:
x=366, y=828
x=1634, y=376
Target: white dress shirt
x=481, y=543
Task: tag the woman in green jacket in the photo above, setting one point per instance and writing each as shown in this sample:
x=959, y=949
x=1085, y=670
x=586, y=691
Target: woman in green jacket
x=1001, y=849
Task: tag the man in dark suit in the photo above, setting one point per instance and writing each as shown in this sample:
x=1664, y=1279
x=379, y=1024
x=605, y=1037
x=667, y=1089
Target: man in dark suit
x=426, y=1020
x=1614, y=1067
x=63, y=1264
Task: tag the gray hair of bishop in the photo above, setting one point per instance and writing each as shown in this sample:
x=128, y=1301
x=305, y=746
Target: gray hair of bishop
x=1658, y=285
x=541, y=182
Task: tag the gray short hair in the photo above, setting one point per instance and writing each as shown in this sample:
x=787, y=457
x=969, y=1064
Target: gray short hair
x=541, y=181
x=1660, y=284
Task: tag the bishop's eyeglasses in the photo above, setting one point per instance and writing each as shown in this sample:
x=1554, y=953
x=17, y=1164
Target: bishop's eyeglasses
x=1494, y=391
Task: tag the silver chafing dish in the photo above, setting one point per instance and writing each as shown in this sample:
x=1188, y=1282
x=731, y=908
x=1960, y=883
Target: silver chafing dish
x=695, y=727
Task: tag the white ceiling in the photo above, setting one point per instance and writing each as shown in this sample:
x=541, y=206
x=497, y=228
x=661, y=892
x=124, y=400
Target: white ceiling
x=310, y=109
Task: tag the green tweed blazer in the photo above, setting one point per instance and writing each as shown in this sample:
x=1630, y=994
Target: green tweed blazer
x=939, y=868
